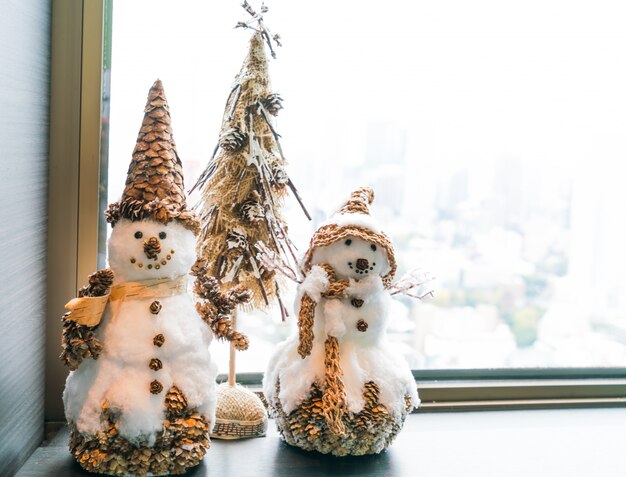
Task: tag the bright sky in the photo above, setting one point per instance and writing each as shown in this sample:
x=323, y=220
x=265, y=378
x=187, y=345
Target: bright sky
x=469, y=81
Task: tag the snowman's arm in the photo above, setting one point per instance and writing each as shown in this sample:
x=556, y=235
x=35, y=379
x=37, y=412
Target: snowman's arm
x=415, y=284
x=216, y=307
x=79, y=341
x=222, y=326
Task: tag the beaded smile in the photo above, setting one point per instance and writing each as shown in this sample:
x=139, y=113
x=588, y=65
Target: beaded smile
x=156, y=266
x=361, y=270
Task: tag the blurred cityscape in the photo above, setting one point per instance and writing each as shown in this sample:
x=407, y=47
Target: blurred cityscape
x=528, y=271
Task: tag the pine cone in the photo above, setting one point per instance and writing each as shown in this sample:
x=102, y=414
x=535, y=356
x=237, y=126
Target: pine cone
x=216, y=307
x=78, y=343
x=158, y=340
x=207, y=288
x=279, y=176
x=152, y=248
x=252, y=211
x=155, y=307
x=232, y=139
x=155, y=364
x=237, y=238
x=165, y=209
x=175, y=402
x=272, y=103
x=99, y=283
x=112, y=214
x=239, y=341
x=207, y=312
x=156, y=387
x=199, y=268
x=132, y=209
x=240, y=295
x=221, y=326
x=189, y=220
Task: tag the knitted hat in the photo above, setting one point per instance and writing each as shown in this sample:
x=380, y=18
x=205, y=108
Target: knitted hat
x=154, y=186
x=353, y=219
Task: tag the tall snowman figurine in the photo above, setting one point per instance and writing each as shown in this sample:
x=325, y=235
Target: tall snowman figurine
x=338, y=386
x=141, y=395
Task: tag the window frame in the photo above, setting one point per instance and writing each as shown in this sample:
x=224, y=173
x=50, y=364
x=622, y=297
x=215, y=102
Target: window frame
x=506, y=389
x=79, y=79
x=79, y=29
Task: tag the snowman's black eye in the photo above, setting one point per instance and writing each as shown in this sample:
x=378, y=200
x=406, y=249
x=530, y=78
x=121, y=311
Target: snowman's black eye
x=373, y=247
x=348, y=242
x=138, y=235
x=162, y=235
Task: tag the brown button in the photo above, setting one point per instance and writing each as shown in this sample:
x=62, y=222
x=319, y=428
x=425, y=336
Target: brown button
x=156, y=387
x=158, y=340
x=357, y=302
x=155, y=364
x=362, y=325
x=155, y=307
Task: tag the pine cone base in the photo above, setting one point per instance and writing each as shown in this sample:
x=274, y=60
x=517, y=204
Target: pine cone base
x=181, y=444
x=369, y=432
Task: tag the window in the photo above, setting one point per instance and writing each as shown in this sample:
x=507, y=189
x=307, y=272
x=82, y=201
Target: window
x=491, y=133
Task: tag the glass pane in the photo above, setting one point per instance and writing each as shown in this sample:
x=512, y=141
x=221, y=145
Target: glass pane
x=492, y=133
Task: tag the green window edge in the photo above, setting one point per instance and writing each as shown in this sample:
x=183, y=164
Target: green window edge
x=500, y=389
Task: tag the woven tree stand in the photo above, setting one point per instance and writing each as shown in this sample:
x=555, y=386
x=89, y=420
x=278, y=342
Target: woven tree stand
x=239, y=413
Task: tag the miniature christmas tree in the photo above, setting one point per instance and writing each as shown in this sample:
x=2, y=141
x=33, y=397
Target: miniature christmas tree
x=242, y=190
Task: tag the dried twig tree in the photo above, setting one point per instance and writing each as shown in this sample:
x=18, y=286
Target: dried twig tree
x=245, y=182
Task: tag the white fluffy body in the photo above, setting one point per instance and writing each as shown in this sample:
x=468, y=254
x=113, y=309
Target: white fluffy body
x=121, y=375
x=364, y=356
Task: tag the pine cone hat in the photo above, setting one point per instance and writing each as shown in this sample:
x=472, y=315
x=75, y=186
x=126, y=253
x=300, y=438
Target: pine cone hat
x=155, y=185
x=353, y=219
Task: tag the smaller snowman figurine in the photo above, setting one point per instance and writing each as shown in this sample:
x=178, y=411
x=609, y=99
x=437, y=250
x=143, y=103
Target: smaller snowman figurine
x=140, y=397
x=338, y=386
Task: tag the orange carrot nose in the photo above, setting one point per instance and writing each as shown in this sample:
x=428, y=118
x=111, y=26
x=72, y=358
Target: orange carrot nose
x=152, y=248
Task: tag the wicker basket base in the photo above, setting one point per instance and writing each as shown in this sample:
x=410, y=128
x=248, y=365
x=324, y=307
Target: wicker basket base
x=233, y=429
x=240, y=414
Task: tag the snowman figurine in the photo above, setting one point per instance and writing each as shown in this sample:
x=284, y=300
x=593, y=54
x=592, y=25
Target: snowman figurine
x=338, y=386
x=140, y=398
